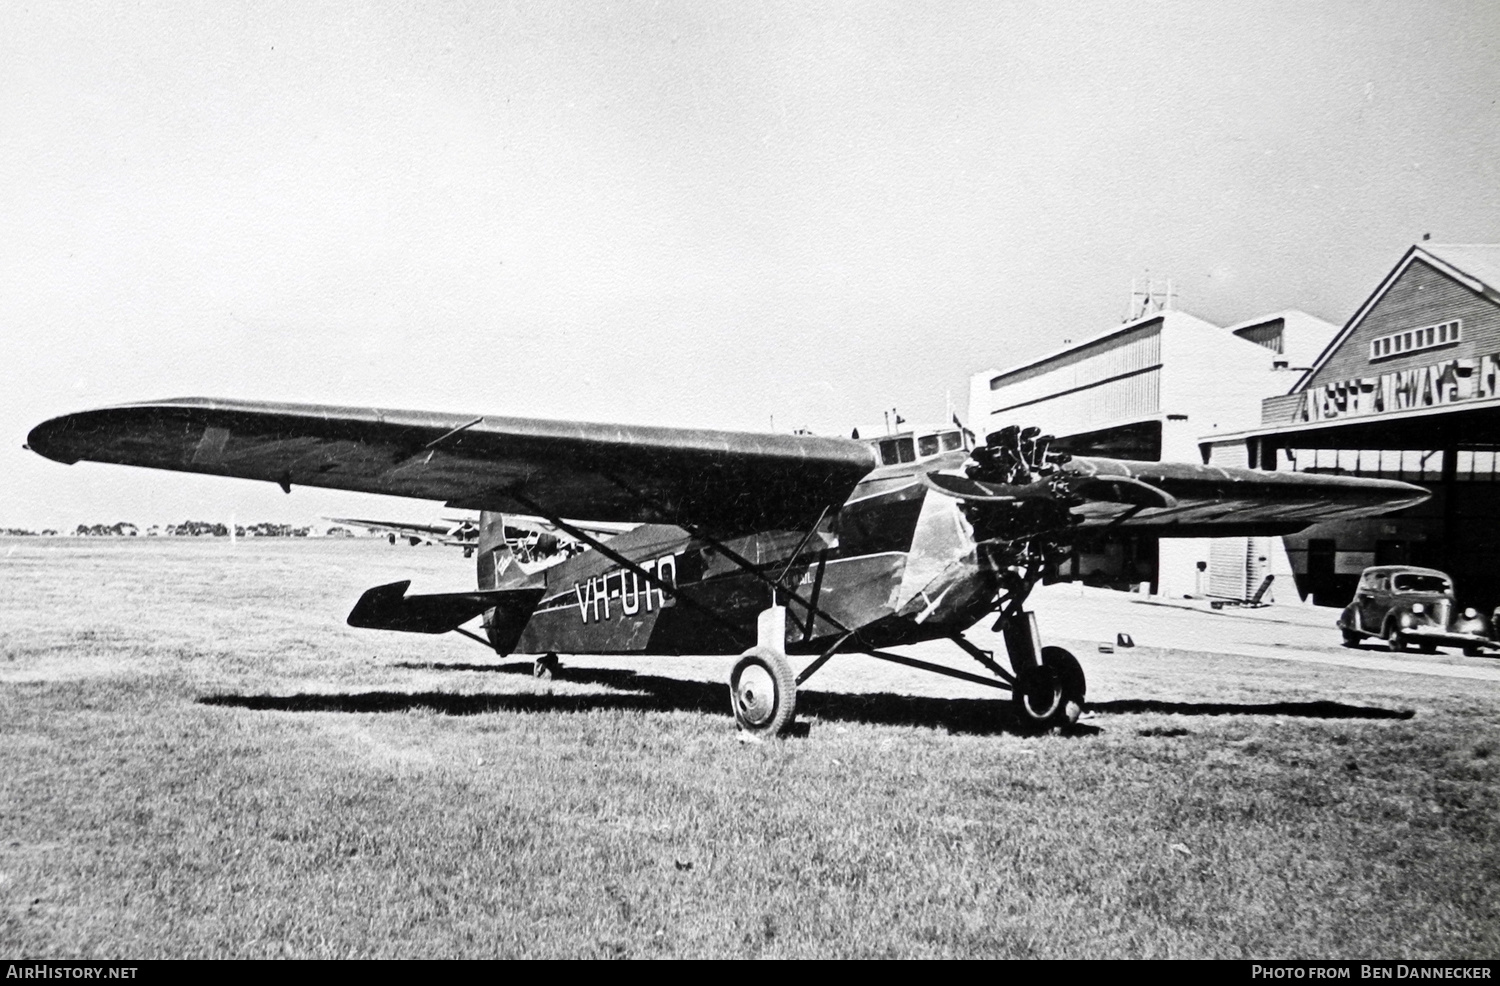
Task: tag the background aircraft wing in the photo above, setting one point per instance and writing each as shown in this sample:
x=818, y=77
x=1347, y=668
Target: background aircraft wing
x=598, y=528
x=419, y=532
x=722, y=482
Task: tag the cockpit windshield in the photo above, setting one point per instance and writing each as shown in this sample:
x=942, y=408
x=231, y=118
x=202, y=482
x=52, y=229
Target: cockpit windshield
x=894, y=450
x=901, y=449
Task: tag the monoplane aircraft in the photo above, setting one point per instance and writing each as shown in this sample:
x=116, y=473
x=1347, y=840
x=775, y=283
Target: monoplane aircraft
x=462, y=533
x=531, y=539
x=763, y=545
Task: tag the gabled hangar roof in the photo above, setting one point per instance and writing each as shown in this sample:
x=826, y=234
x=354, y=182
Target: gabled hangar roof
x=1474, y=265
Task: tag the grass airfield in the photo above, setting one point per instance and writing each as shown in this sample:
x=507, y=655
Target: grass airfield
x=199, y=759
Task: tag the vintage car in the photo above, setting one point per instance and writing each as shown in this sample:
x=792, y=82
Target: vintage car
x=1409, y=606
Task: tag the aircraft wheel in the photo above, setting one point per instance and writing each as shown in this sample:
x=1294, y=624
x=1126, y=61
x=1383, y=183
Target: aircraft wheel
x=1395, y=641
x=763, y=692
x=1074, y=684
x=1039, y=697
x=545, y=667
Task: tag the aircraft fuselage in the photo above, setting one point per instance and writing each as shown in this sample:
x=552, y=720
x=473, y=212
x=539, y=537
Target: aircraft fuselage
x=897, y=563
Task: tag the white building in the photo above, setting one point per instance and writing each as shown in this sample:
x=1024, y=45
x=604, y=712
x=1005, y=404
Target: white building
x=1156, y=388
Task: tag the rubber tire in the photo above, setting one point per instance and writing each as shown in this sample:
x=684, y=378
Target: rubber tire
x=1075, y=683
x=545, y=667
x=755, y=712
x=1473, y=652
x=1352, y=639
x=1039, y=697
x=1428, y=648
x=1394, y=641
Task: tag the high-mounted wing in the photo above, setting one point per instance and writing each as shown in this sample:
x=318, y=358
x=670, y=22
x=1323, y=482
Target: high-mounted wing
x=415, y=533
x=718, y=481
x=1215, y=501
x=1174, y=499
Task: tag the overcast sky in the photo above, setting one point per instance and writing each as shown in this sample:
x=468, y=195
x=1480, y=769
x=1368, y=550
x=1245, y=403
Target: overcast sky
x=681, y=213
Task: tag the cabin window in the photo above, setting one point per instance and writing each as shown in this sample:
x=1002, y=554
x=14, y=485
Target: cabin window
x=894, y=450
x=927, y=445
x=952, y=441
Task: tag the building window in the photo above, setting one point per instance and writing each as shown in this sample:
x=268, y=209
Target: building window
x=1414, y=340
x=1476, y=465
x=1410, y=465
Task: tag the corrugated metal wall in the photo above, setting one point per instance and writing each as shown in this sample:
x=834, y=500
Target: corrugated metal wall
x=1115, y=379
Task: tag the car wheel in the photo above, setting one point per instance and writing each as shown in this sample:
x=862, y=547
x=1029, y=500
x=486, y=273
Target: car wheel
x=1352, y=639
x=1395, y=641
x=1473, y=652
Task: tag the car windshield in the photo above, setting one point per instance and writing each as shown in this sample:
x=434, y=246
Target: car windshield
x=1420, y=583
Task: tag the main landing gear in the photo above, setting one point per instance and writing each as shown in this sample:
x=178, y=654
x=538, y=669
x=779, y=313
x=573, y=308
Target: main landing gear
x=763, y=692
x=762, y=688
x=1048, y=686
x=1051, y=692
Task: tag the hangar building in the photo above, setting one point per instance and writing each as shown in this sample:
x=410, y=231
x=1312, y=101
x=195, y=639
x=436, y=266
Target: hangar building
x=1152, y=388
x=1408, y=389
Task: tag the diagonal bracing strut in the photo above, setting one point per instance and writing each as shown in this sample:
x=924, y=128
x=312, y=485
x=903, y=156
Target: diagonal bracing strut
x=619, y=559
x=740, y=561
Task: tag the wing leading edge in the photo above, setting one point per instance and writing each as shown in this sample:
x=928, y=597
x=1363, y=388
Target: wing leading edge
x=1175, y=499
x=719, y=481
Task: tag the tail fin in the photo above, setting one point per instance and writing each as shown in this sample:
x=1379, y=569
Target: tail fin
x=497, y=565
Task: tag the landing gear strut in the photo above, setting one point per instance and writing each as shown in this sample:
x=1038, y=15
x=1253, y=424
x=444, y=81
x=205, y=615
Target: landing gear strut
x=762, y=687
x=1017, y=536
x=1050, y=685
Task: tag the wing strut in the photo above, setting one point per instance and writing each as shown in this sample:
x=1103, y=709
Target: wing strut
x=619, y=559
x=747, y=566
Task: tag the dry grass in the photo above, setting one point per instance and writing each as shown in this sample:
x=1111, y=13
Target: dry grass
x=197, y=758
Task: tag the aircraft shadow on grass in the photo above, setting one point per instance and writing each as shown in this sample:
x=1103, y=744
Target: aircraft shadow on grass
x=654, y=693
x=1301, y=710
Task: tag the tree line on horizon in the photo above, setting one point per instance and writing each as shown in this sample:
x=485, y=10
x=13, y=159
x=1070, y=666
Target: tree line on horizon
x=188, y=528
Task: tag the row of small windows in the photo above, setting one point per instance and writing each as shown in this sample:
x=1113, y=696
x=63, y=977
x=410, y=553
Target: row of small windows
x=1414, y=339
x=897, y=450
x=1413, y=465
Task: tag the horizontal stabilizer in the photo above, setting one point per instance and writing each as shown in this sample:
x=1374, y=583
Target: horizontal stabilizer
x=388, y=607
